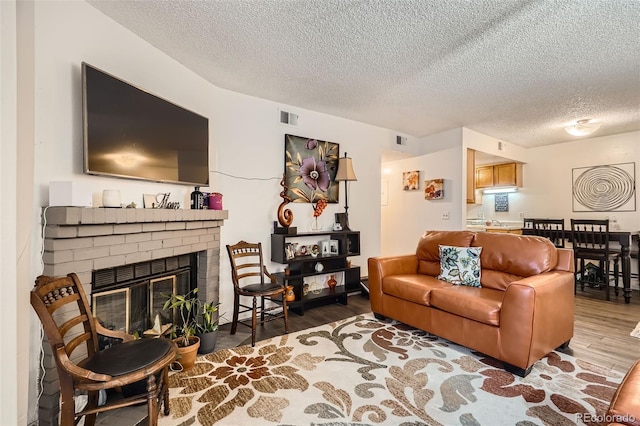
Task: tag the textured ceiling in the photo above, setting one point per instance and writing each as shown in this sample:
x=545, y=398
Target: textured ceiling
x=513, y=69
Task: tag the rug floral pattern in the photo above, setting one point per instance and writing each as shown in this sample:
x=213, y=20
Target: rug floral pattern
x=364, y=371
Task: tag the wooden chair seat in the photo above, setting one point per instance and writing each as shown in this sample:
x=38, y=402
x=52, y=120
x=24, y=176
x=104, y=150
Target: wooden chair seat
x=129, y=357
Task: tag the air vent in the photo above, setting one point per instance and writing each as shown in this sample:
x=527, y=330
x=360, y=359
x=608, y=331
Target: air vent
x=288, y=118
x=401, y=140
x=124, y=273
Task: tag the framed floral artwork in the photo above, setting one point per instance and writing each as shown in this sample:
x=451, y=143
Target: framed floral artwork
x=310, y=167
x=410, y=180
x=434, y=189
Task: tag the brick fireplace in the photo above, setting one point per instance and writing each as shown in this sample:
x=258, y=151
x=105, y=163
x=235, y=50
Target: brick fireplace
x=85, y=240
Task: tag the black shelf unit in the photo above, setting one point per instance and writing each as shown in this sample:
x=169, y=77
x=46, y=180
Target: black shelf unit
x=300, y=267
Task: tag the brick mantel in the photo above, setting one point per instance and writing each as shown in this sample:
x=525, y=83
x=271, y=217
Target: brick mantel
x=81, y=240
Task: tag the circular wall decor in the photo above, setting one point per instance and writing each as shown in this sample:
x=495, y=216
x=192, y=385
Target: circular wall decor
x=603, y=188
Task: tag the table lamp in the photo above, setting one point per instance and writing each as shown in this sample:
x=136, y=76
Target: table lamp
x=345, y=173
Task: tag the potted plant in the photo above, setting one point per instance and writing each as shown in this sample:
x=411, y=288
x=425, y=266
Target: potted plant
x=184, y=332
x=207, y=326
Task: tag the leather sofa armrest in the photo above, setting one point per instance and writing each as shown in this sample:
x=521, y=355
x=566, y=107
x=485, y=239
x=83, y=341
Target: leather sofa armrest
x=565, y=260
x=625, y=405
x=380, y=267
x=537, y=316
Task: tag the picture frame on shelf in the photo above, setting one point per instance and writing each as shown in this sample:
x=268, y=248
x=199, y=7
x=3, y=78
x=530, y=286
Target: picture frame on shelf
x=333, y=247
x=290, y=250
x=325, y=247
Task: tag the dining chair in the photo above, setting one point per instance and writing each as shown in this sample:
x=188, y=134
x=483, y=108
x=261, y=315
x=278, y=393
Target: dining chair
x=138, y=367
x=248, y=274
x=552, y=229
x=527, y=223
x=590, y=240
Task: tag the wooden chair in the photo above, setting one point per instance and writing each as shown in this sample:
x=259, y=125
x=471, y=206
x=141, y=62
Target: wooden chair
x=553, y=229
x=248, y=274
x=590, y=240
x=527, y=223
x=72, y=331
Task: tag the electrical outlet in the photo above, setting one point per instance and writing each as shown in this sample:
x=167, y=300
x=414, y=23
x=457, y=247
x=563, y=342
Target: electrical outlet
x=521, y=215
x=446, y=215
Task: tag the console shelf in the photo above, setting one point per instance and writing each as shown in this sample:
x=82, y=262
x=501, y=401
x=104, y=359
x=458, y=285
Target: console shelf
x=291, y=250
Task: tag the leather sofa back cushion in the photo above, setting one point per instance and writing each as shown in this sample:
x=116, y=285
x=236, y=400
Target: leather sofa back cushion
x=508, y=257
x=428, y=251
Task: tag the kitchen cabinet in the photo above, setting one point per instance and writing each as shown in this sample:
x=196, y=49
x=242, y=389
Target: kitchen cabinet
x=484, y=176
x=308, y=272
x=471, y=178
x=505, y=174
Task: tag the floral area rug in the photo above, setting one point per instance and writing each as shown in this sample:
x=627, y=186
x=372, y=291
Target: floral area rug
x=364, y=371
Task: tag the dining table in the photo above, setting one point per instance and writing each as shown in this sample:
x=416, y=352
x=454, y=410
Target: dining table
x=625, y=239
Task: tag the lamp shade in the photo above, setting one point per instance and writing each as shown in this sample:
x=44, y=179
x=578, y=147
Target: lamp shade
x=345, y=169
x=582, y=127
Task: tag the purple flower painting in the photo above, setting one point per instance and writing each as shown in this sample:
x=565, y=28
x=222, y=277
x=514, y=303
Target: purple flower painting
x=310, y=169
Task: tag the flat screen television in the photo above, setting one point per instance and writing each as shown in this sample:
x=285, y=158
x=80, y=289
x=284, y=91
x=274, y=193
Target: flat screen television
x=130, y=133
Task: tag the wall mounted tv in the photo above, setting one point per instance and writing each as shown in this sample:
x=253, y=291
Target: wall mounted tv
x=130, y=133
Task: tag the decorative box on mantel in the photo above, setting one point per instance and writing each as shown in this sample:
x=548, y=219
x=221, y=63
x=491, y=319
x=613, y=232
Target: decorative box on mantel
x=85, y=240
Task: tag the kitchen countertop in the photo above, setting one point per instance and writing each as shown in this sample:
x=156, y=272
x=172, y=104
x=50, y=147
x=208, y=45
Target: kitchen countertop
x=496, y=227
x=479, y=225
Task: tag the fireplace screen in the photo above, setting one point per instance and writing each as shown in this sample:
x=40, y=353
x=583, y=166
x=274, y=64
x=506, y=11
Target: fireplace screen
x=132, y=309
x=109, y=307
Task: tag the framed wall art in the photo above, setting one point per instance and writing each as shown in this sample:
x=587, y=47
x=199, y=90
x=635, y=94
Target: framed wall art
x=501, y=202
x=410, y=180
x=310, y=167
x=604, y=188
x=434, y=189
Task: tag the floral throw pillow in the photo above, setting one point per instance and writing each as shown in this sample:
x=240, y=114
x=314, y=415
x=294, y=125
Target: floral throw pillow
x=460, y=265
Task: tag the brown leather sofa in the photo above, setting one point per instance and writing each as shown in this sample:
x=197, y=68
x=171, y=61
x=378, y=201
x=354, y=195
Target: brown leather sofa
x=523, y=311
x=625, y=405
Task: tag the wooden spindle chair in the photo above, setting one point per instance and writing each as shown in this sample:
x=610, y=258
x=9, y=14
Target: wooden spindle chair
x=590, y=240
x=72, y=331
x=248, y=274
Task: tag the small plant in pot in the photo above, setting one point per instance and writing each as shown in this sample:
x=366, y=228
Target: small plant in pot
x=207, y=326
x=184, y=333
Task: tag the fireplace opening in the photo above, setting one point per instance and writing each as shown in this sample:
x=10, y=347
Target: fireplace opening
x=128, y=298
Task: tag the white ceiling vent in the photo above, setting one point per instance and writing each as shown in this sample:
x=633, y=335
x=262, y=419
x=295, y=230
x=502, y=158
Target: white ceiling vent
x=288, y=118
x=401, y=140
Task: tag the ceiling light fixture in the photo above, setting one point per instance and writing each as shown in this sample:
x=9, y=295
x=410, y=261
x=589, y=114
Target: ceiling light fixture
x=582, y=127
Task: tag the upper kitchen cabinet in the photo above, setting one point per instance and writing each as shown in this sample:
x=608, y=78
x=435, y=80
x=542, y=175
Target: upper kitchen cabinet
x=484, y=176
x=505, y=174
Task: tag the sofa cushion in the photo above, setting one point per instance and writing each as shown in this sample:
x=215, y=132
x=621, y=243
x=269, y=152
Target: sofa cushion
x=475, y=303
x=428, y=251
x=460, y=265
x=415, y=288
x=508, y=257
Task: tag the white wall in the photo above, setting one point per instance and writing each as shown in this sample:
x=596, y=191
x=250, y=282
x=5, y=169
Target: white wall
x=246, y=140
x=548, y=176
x=13, y=399
x=407, y=215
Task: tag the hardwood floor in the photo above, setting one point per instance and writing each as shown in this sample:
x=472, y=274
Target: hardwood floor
x=601, y=331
